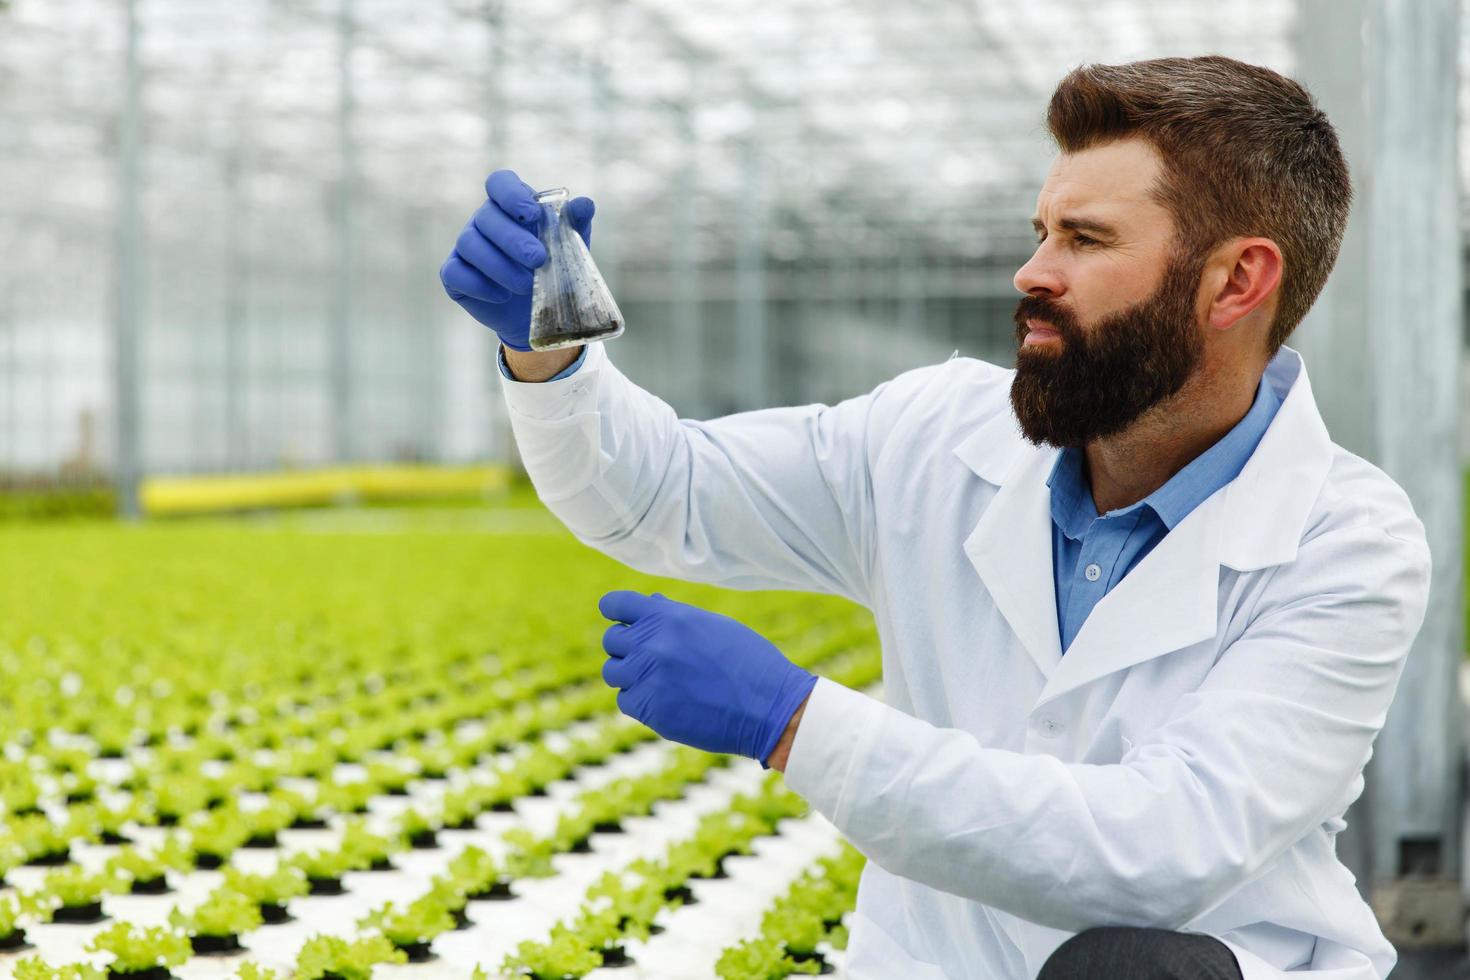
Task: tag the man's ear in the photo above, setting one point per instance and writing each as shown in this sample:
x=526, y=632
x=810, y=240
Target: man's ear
x=1252, y=268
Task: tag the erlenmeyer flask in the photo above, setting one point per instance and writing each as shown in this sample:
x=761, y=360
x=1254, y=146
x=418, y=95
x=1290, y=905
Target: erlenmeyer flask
x=570, y=302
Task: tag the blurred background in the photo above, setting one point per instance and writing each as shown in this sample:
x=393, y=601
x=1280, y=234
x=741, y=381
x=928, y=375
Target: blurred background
x=221, y=226
x=255, y=197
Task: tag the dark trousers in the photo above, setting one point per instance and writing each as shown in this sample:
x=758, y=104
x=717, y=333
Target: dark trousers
x=1127, y=953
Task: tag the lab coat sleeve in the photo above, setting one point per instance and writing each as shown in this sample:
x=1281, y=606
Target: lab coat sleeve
x=1262, y=752
x=775, y=498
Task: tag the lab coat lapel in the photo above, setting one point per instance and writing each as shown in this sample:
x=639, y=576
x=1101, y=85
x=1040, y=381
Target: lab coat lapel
x=1170, y=599
x=1010, y=546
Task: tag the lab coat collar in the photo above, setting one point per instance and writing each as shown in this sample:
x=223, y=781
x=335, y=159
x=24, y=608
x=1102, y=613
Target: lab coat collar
x=1169, y=599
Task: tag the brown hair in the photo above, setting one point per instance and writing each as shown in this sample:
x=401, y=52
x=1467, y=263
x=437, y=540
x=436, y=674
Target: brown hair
x=1246, y=152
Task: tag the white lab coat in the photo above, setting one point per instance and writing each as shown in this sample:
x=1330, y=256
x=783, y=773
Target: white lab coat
x=1185, y=766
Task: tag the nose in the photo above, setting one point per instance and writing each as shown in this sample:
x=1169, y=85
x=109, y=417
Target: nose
x=1039, y=272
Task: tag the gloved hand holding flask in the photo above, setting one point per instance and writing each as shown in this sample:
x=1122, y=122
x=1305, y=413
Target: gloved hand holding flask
x=516, y=260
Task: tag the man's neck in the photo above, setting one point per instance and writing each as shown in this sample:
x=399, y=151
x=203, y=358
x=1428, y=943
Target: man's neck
x=1125, y=468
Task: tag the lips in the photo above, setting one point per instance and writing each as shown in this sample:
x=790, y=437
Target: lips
x=1039, y=333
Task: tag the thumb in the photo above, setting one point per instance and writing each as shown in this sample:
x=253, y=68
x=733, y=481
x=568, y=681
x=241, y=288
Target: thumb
x=579, y=211
x=625, y=606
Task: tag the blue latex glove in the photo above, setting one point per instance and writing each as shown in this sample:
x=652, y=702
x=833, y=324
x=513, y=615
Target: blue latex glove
x=489, y=272
x=698, y=677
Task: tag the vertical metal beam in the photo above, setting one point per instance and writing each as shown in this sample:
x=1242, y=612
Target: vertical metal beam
x=236, y=273
x=688, y=331
x=750, y=273
x=339, y=348
x=128, y=298
x=1383, y=346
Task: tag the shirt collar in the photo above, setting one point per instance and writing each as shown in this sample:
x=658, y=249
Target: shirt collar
x=1072, y=507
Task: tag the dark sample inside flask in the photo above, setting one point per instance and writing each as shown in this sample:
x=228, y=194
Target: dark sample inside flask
x=570, y=302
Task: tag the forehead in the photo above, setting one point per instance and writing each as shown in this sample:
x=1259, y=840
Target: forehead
x=1108, y=182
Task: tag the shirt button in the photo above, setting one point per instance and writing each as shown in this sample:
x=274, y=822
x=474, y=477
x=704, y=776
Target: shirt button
x=1050, y=727
x=1092, y=572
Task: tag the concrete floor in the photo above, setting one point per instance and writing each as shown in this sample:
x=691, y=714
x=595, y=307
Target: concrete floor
x=1432, y=965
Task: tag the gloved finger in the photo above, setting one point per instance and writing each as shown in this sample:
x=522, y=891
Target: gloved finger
x=618, y=640
x=624, y=605
x=621, y=673
x=579, y=211
x=515, y=196
x=463, y=281
x=516, y=241
x=475, y=250
x=630, y=705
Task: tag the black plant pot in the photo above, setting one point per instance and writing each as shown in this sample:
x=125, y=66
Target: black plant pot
x=150, y=886
x=15, y=941
x=466, y=823
x=582, y=845
x=111, y=837
x=423, y=840
x=208, y=862
x=152, y=973
x=308, y=823
x=812, y=957
x=326, y=886
x=504, y=806
x=79, y=914
x=653, y=927
x=720, y=872
x=608, y=827
x=382, y=864
x=461, y=918
x=52, y=859
x=416, y=952
x=216, y=945
x=615, y=956
x=683, y=892
x=262, y=840
x=497, y=892
x=396, y=791
x=274, y=913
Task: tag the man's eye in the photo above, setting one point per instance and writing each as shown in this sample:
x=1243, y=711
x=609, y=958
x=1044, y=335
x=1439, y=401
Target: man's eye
x=1079, y=239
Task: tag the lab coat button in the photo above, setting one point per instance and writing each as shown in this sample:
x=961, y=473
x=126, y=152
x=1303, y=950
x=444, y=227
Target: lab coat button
x=1050, y=727
x=1092, y=572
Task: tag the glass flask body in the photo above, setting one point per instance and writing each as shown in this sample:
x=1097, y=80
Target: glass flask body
x=570, y=302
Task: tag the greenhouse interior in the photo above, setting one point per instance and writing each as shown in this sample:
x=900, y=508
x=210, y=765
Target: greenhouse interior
x=319, y=652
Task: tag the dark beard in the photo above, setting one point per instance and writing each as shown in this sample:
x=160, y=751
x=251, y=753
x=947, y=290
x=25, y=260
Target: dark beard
x=1095, y=383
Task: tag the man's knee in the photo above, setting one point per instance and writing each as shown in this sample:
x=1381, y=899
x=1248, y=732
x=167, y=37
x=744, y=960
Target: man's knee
x=1133, y=953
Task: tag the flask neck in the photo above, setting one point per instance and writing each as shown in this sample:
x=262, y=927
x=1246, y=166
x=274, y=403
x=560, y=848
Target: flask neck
x=553, y=198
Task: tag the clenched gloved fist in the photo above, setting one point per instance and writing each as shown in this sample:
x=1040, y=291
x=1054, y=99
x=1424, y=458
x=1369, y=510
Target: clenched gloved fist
x=698, y=677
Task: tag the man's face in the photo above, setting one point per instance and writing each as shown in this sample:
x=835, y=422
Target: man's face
x=1121, y=303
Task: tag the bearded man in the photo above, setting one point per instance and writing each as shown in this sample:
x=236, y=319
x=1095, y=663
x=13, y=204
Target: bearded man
x=1141, y=618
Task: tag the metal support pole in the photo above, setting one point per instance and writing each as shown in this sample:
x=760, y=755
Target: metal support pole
x=129, y=287
x=1383, y=345
x=236, y=272
x=339, y=350
x=750, y=265
x=688, y=332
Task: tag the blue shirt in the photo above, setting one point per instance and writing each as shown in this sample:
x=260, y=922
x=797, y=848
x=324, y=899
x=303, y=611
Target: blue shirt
x=1091, y=553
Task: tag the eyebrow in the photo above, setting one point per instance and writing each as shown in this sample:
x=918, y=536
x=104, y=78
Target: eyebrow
x=1078, y=224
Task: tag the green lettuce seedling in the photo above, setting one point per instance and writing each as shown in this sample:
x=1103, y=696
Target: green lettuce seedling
x=760, y=959
x=285, y=883
x=35, y=968
x=529, y=856
x=323, y=955
x=136, y=949
x=419, y=922
x=223, y=913
x=565, y=955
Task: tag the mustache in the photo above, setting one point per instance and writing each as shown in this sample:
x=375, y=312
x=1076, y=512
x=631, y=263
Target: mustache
x=1044, y=311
